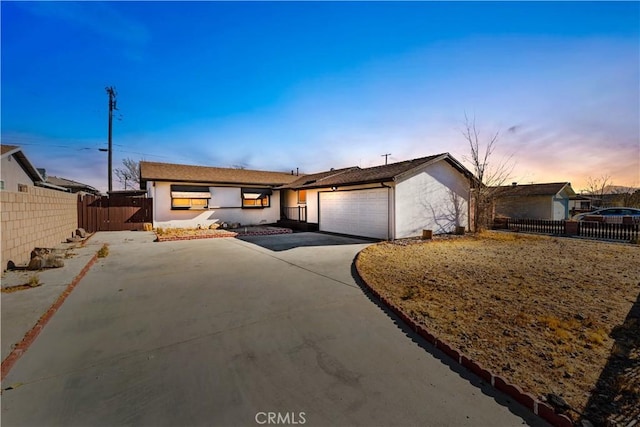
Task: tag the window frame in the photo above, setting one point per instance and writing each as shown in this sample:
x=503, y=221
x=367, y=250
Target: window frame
x=251, y=202
x=200, y=201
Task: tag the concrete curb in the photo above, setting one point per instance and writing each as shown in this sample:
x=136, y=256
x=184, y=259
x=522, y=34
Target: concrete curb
x=539, y=408
x=33, y=333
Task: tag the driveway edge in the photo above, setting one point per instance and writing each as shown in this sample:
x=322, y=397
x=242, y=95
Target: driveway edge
x=30, y=336
x=539, y=408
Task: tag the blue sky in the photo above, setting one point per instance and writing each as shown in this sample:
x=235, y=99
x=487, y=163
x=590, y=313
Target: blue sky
x=315, y=85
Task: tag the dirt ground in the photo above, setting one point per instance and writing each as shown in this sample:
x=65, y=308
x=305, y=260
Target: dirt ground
x=552, y=315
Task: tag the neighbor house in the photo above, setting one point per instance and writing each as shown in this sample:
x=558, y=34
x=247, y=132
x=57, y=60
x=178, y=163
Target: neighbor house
x=35, y=213
x=549, y=201
x=393, y=201
x=192, y=196
x=17, y=172
x=71, y=185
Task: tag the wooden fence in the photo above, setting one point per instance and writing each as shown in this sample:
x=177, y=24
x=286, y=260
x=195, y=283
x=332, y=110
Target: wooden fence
x=102, y=213
x=594, y=230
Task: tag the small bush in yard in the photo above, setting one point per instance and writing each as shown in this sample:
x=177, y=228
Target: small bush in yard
x=34, y=281
x=104, y=251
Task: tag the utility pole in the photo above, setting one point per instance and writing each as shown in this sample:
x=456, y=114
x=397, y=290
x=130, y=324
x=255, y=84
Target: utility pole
x=385, y=157
x=112, y=106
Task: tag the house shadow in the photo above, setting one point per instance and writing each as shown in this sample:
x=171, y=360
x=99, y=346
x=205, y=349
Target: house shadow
x=615, y=399
x=528, y=417
x=283, y=242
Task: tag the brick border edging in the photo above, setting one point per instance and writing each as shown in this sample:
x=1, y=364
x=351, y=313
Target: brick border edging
x=33, y=333
x=203, y=236
x=539, y=408
x=225, y=235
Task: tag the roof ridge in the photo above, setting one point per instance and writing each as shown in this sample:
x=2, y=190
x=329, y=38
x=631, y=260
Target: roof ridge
x=215, y=167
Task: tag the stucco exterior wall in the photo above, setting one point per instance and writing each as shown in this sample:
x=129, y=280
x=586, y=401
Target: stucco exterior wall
x=13, y=174
x=223, y=207
x=531, y=207
x=560, y=208
x=291, y=198
x=37, y=218
x=435, y=197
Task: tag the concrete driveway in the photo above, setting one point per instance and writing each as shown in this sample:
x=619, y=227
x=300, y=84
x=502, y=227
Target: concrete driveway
x=224, y=332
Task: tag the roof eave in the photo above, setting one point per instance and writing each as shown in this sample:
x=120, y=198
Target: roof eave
x=26, y=165
x=348, y=184
x=143, y=182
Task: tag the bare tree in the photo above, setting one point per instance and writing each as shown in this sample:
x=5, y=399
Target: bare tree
x=597, y=188
x=489, y=175
x=129, y=174
x=625, y=196
x=445, y=212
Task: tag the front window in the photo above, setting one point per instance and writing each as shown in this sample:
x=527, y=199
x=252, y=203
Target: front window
x=194, y=197
x=256, y=197
x=302, y=197
x=182, y=203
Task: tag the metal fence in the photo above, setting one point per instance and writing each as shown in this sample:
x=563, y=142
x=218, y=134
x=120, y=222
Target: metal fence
x=609, y=231
x=295, y=213
x=590, y=229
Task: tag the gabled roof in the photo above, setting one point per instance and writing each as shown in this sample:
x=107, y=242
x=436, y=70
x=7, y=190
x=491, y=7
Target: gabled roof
x=527, y=190
x=310, y=179
x=154, y=171
x=4, y=149
x=74, y=186
x=390, y=172
x=16, y=152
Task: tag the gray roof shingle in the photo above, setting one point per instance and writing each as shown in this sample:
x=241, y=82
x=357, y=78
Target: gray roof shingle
x=526, y=190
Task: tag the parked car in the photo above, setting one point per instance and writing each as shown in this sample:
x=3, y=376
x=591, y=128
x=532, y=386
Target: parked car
x=609, y=215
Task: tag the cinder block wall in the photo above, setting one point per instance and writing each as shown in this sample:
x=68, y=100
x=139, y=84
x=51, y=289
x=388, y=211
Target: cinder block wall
x=37, y=218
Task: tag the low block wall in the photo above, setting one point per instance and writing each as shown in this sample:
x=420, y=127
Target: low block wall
x=38, y=217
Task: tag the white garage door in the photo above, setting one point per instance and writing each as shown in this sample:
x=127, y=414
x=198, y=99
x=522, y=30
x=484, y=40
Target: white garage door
x=359, y=213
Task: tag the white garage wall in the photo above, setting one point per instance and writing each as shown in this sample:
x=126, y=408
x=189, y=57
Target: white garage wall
x=163, y=216
x=312, y=206
x=435, y=197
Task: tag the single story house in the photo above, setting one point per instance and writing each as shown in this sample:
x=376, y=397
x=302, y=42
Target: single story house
x=393, y=201
x=69, y=184
x=191, y=196
x=549, y=201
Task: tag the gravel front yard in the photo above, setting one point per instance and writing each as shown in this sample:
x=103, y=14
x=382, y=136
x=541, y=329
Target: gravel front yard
x=552, y=315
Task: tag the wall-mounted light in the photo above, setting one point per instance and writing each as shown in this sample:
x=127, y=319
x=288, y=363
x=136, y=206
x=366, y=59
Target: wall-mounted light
x=334, y=188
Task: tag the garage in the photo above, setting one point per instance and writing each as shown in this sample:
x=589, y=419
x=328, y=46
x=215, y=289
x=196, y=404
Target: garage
x=357, y=212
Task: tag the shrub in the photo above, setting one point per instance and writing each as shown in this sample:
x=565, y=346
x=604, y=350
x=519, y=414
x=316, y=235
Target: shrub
x=104, y=251
x=34, y=281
